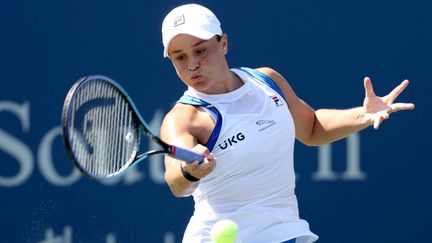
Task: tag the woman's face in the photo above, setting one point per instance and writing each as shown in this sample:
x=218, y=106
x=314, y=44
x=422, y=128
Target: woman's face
x=200, y=64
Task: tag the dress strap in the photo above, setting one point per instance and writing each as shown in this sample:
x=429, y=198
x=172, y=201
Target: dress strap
x=190, y=100
x=263, y=79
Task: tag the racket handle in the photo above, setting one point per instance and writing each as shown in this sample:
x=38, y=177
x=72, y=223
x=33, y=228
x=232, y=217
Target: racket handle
x=186, y=155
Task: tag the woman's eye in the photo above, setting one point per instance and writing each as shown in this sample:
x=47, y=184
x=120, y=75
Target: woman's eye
x=200, y=51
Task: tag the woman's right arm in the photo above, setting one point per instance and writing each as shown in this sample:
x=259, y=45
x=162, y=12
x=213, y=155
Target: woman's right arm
x=184, y=126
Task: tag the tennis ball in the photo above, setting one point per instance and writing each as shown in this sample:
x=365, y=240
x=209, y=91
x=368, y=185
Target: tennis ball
x=224, y=231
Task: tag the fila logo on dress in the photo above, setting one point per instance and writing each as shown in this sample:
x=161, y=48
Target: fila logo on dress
x=276, y=100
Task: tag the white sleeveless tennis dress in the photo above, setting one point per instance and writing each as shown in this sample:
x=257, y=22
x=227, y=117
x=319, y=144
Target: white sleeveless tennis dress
x=253, y=182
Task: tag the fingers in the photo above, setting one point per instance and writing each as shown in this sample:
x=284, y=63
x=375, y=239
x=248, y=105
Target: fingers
x=379, y=118
x=397, y=91
x=190, y=166
x=377, y=123
x=402, y=106
x=391, y=96
x=197, y=169
x=369, y=91
x=201, y=149
x=380, y=108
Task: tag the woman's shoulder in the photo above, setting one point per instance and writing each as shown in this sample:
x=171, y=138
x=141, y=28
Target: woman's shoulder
x=271, y=73
x=181, y=112
x=184, y=118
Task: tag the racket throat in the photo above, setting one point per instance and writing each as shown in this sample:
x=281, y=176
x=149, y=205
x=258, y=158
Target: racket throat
x=171, y=151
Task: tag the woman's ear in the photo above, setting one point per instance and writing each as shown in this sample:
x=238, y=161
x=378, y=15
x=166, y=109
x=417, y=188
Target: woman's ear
x=224, y=41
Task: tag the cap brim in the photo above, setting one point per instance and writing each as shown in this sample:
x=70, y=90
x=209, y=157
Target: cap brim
x=198, y=33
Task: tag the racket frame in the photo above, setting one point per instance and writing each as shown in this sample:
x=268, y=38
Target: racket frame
x=136, y=116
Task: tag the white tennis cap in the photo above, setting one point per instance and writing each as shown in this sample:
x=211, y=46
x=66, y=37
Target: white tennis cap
x=191, y=19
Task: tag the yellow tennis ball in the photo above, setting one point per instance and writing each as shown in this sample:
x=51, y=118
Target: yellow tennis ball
x=224, y=231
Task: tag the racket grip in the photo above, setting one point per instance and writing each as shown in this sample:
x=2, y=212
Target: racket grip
x=186, y=155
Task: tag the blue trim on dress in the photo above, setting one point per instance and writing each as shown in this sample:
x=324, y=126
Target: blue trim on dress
x=264, y=79
x=189, y=100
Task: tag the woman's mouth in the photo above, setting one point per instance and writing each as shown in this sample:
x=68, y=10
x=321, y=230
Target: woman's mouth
x=195, y=77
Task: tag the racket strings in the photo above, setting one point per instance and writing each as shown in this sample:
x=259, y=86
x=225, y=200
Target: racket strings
x=106, y=140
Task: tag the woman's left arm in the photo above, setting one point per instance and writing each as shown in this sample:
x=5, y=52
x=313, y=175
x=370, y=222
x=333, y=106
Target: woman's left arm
x=327, y=125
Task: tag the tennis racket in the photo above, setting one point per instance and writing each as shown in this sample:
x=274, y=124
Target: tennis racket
x=102, y=129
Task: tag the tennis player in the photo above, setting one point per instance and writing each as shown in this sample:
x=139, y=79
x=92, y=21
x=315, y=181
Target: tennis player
x=245, y=122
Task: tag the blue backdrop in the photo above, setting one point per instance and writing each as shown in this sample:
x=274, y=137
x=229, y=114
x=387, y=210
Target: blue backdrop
x=372, y=187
